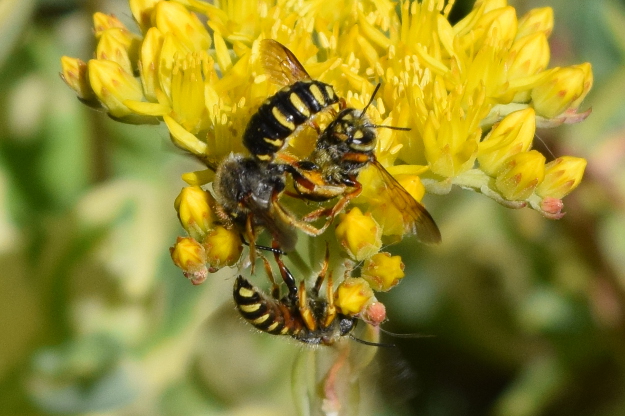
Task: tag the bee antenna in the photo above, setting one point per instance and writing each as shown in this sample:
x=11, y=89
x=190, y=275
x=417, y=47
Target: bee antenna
x=372, y=344
x=393, y=334
x=364, y=110
x=381, y=126
x=265, y=248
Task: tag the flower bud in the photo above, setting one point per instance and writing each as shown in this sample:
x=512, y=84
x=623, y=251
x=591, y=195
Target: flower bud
x=113, y=85
x=76, y=77
x=561, y=177
x=521, y=174
x=194, y=207
x=185, y=26
x=142, y=12
x=552, y=208
x=190, y=256
x=536, y=20
x=383, y=271
x=114, y=46
x=587, y=84
x=358, y=234
x=223, y=248
x=352, y=296
x=560, y=90
x=103, y=22
x=149, y=63
x=374, y=313
x=528, y=56
x=512, y=135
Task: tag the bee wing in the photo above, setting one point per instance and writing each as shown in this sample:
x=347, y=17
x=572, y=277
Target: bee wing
x=281, y=66
x=417, y=220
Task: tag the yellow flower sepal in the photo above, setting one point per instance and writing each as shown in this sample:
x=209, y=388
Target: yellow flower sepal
x=223, y=248
x=358, y=234
x=513, y=134
x=353, y=295
x=383, y=271
x=195, y=211
x=190, y=256
x=183, y=138
x=199, y=177
x=520, y=175
x=147, y=109
x=562, y=175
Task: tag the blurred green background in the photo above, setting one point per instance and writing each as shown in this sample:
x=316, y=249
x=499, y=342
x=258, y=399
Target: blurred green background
x=528, y=314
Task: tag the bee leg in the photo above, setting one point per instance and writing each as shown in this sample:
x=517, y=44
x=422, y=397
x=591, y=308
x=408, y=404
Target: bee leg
x=275, y=289
x=288, y=278
x=322, y=274
x=331, y=309
x=345, y=200
x=250, y=237
x=336, y=209
x=304, y=309
x=288, y=218
x=342, y=104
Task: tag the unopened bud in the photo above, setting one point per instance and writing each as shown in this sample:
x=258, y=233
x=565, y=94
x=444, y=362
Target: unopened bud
x=358, y=234
x=190, y=256
x=383, y=271
x=521, y=174
x=352, y=295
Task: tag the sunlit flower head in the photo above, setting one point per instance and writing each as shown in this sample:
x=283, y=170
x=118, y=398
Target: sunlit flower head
x=458, y=105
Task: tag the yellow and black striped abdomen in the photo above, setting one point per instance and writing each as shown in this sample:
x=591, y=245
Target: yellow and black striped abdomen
x=266, y=314
x=282, y=113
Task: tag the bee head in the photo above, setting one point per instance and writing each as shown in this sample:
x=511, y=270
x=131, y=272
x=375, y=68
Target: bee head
x=354, y=129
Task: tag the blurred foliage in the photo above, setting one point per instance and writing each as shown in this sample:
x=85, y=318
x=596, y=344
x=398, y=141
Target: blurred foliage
x=527, y=313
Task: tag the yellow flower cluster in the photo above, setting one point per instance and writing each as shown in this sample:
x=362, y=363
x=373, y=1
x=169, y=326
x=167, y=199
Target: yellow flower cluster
x=472, y=94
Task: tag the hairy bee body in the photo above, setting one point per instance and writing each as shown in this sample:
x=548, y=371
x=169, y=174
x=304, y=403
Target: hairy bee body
x=247, y=190
x=349, y=133
x=300, y=98
x=282, y=316
x=343, y=150
x=281, y=114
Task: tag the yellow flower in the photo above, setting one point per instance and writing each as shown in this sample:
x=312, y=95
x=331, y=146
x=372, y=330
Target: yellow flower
x=358, y=234
x=561, y=177
x=223, y=248
x=520, y=175
x=471, y=93
x=195, y=212
x=383, y=271
x=190, y=256
x=352, y=296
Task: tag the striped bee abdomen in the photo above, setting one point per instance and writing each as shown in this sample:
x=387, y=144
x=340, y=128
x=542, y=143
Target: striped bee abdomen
x=266, y=314
x=279, y=116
